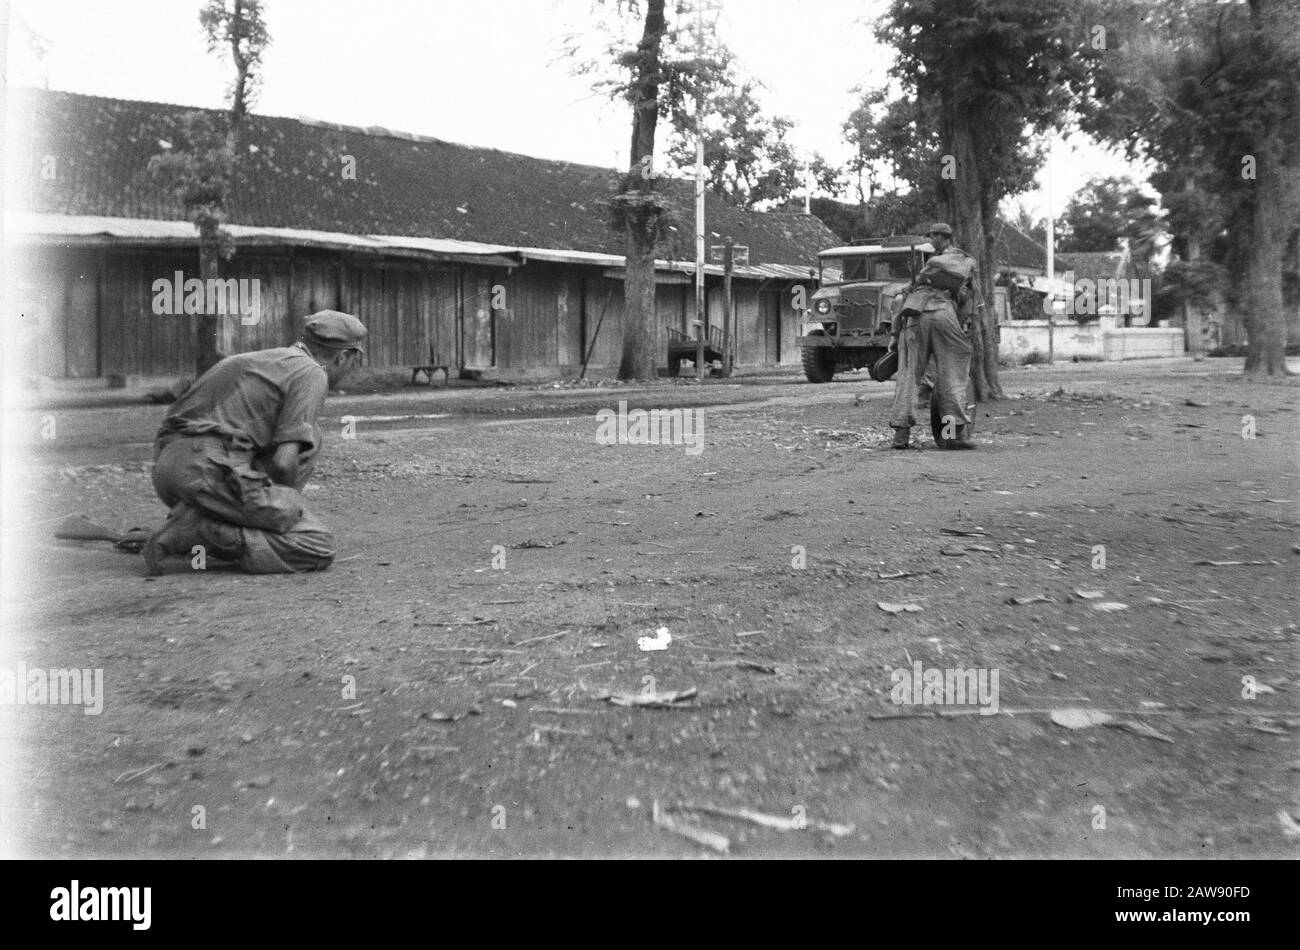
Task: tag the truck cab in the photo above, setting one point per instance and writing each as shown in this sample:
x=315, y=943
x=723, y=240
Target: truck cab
x=848, y=322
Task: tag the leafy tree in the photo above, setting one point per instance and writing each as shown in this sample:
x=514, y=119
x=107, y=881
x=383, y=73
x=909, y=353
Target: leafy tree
x=896, y=148
x=1210, y=92
x=1100, y=214
x=828, y=179
x=994, y=74
x=200, y=168
x=1027, y=222
x=747, y=156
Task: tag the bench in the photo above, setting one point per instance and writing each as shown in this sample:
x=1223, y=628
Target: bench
x=684, y=347
x=436, y=362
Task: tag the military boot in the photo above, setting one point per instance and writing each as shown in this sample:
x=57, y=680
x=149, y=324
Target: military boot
x=902, y=437
x=963, y=440
x=186, y=528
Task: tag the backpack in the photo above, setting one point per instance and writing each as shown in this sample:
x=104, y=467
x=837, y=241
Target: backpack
x=949, y=270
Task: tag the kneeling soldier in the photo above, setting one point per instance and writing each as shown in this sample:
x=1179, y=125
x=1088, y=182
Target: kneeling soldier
x=234, y=453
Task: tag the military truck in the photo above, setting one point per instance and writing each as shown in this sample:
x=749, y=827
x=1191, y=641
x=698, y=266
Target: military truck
x=848, y=321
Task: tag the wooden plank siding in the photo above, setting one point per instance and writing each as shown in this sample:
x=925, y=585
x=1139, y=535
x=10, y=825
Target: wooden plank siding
x=746, y=325
x=133, y=339
x=791, y=320
x=478, y=323
x=440, y=312
x=88, y=312
x=604, y=296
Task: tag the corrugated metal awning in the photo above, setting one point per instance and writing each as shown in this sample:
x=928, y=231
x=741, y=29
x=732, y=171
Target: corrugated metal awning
x=70, y=230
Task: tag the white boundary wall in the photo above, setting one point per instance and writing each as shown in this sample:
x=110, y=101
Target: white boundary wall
x=1142, y=343
x=1093, y=341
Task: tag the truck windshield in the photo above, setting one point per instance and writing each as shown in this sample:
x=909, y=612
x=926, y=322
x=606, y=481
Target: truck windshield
x=844, y=268
x=894, y=268
x=866, y=268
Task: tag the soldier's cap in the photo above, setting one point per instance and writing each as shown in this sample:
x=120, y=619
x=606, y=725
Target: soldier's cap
x=940, y=228
x=334, y=329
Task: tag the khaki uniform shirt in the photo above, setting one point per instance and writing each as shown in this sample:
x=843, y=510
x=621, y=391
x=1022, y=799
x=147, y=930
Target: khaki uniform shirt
x=257, y=400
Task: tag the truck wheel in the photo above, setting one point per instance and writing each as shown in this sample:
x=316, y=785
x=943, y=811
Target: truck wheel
x=818, y=363
x=936, y=420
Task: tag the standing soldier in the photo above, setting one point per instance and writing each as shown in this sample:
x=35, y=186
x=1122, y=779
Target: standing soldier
x=934, y=351
x=234, y=453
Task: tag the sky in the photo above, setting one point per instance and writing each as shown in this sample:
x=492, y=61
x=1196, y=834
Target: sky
x=487, y=72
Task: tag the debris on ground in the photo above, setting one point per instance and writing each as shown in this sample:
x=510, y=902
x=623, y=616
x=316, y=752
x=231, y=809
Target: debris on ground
x=1087, y=718
x=1034, y=599
x=666, y=699
x=1140, y=729
x=1109, y=606
x=1080, y=718
x=898, y=608
x=776, y=822
x=659, y=641
x=1266, y=726
x=1290, y=827
x=701, y=836
x=1237, y=563
x=440, y=715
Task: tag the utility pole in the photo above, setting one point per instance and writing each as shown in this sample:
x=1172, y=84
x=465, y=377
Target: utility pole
x=8, y=337
x=701, y=325
x=728, y=257
x=1051, y=263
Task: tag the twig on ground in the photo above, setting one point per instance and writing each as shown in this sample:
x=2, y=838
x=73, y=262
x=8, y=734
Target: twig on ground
x=134, y=774
x=454, y=623
x=701, y=836
x=548, y=636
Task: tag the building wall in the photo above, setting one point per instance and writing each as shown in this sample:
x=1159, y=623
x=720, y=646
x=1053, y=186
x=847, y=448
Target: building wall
x=765, y=322
x=791, y=319
x=603, y=327
x=88, y=313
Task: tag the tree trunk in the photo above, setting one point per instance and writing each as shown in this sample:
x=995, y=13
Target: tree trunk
x=640, y=357
x=1266, y=232
x=984, y=329
x=964, y=200
x=207, y=326
x=1265, y=318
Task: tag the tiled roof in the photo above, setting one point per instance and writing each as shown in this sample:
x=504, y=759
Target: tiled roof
x=1014, y=248
x=405, y=185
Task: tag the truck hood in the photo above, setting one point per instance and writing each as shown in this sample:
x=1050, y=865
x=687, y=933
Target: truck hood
x=860, y=290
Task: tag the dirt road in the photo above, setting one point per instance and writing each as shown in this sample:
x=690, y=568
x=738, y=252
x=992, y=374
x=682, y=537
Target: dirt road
x=442, y=690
